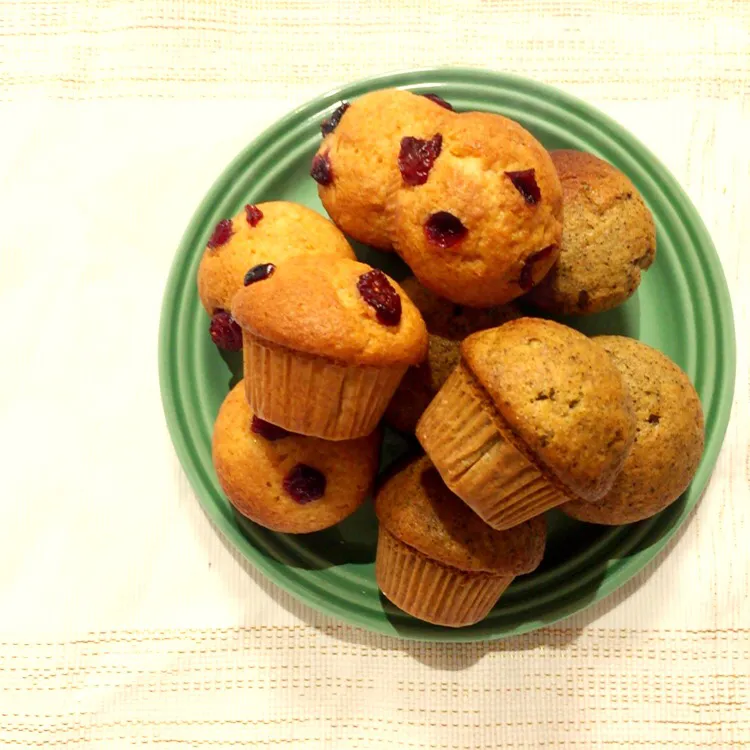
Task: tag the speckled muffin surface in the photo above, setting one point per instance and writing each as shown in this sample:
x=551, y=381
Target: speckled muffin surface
x=319, y=306
x=356, y=166
x=562, y=398
x=608, y=238
x=448, y=324
x=262, y=233
x=287, y=482
x=416, y=507
x=668, y=442
x=486, y=224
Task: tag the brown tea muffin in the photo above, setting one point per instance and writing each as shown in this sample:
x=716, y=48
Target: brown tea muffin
x=356, y=166
x=288, y=482
x=448, y=325
x=326, y=343
x=436, y=559
x=668, y=437
x=485, y=226
x=534, y=415
x=608, y=238
x=262, y=233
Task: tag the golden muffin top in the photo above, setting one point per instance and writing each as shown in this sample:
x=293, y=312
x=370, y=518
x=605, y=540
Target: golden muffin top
x=336, y=308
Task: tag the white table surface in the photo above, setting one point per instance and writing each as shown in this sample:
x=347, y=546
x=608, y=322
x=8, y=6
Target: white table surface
x=124, y=618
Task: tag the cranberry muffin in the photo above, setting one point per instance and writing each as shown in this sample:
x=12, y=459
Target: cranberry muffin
x=436, y=559
x=357, y=164
x=608, y=238
x=485, y=224
x=288, y=482
x=326, y=343
x=534, y=415
x=262, y=233
x=668, y=437
x=448, y=324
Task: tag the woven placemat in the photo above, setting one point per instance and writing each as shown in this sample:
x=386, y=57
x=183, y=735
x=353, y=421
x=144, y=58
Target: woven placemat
x=124, y=618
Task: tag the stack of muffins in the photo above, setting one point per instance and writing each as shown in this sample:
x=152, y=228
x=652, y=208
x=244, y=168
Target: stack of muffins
x=515, y=414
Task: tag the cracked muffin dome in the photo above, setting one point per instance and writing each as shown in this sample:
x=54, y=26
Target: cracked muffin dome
x=439, y=561
x=448, y=325
x=485, y=225
x=668, y=439
x=535, y=414
x=288, y=482
x=260, y=233
x=356, y=166
x=608, y=238
x=326, y=341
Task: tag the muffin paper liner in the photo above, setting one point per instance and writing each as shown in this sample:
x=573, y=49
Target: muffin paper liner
x=460, y=433
x=430, y=591
x=314, y=396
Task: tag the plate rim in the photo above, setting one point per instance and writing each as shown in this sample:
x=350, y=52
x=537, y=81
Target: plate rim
x=423, y=77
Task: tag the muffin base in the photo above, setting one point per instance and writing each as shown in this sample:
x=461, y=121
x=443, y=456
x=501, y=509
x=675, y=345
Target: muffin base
x=460, y=433
x=429, y=591
x=314, y=396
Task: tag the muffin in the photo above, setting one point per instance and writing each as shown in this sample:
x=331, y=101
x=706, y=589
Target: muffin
x=356, y=166
x=668, y=437
x=485, y=225
x=262, y=233
x=436, y=559
x=448, y=325
x=535, y=414
x=287, y=482
x=326, y=343
x=608, y=238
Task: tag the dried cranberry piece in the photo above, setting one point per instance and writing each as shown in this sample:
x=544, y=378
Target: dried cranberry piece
x=321, y=170
x=525, y=182
x=221, y=234
x=526, y=277
x=438, y=100
x=225, y=332
x=379, y=294
x=444, y=229
x=254, y=214
x=331, y=123
x=267, y=430
x=258, y=273
x=305, y=483
x=416, y=157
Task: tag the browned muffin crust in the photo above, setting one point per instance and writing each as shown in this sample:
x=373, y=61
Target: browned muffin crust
x=668, y=442
x=562, y=398
x=416, y=507
x=608, y=238
x=448, y=324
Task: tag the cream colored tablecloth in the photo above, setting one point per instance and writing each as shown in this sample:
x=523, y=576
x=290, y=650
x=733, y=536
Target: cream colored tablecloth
x=124, y=618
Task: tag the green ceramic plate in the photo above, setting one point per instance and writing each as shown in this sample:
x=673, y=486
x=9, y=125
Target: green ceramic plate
x=682, y=308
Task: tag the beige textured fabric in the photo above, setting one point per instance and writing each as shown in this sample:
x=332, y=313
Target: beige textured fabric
x=124, y=619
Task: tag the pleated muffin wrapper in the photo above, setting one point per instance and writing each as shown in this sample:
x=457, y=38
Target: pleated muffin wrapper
x=315, y=396
x=431, y=591
x=459, y=432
